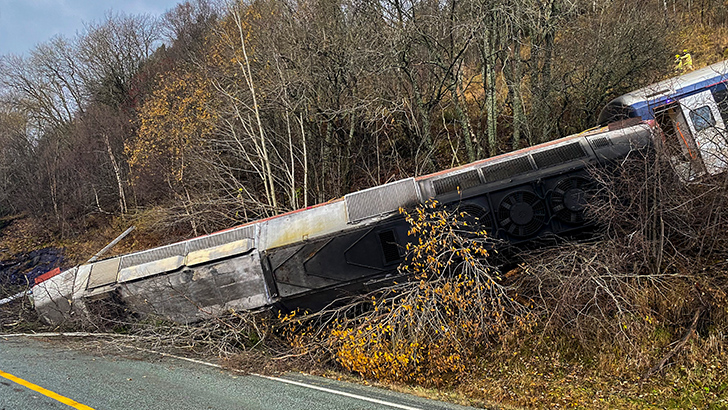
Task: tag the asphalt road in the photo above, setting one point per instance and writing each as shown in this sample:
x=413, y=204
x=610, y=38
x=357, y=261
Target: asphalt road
x=35, y=374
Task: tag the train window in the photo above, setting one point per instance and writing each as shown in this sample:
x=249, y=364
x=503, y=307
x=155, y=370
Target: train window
x=390, y=247
x=702, y=118
x=721, y=97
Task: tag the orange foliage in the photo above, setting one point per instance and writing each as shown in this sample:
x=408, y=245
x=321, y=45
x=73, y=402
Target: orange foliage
x=174, y=121
x=431, y=328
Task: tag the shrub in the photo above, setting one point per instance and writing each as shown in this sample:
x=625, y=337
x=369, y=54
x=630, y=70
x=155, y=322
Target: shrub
x=431, y=327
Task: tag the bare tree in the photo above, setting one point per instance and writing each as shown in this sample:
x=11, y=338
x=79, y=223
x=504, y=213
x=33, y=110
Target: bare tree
x=113, y=51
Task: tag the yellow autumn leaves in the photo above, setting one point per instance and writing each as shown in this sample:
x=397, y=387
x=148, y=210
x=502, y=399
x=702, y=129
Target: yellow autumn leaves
x=430, y=328
x=174, y=121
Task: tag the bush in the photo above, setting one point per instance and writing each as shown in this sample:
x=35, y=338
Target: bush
x=432, y=327
x=655, y=279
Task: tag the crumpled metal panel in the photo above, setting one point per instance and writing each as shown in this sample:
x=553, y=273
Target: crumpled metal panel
x=201, y=292
x=52, y=298
x=381, y=200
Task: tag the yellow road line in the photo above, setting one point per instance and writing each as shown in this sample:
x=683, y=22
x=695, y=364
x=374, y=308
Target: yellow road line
x=45, y=392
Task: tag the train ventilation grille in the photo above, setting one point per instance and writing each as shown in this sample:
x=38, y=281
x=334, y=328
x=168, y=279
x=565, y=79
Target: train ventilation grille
x=151, y=255
x=451, y=183
x=600, y=142
x=390, y=248
x=507, y=169
x=569, y=198
x=381, y=200
x=559, y=155
x=521, y=213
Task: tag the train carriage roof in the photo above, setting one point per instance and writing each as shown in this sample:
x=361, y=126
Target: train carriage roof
x=637, y=103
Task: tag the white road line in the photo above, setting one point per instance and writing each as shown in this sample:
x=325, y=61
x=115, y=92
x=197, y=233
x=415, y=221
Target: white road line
x=279, y=379
x=174, y=356
x=60, y=334
x=340, y=393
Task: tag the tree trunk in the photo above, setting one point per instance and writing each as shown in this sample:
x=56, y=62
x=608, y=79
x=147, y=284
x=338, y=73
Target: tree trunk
x=293, y=199
x=326, y=161
x=488, y=54
x=247, y=73
x=347, y=171
x=117, y=173
x=425, y=131
x=463, y=118
x=305, y=163
x=514, y=87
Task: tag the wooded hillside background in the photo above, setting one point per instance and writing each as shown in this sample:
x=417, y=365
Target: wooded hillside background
x=219, y=113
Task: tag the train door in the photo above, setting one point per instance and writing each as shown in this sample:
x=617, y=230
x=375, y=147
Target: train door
x=678, y=142
x=703, y=117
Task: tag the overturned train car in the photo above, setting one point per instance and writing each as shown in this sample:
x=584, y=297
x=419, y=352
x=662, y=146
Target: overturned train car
x=691, y=111
x=309, y=257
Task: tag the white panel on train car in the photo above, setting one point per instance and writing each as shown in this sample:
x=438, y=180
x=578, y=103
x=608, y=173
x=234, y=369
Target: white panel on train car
x=300, y=226
x=706, y=124
x=82, y=278
x=52, y=298
x=219, y=252
x=381, y=200
x=152, y=268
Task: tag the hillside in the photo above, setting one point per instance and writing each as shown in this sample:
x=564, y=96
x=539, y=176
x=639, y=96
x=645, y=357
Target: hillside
x=220, y=114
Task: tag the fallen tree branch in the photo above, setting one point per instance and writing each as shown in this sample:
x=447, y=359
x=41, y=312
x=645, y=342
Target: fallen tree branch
x=661, y=364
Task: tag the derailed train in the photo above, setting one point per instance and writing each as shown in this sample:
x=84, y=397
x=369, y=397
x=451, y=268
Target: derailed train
x=309, y=257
